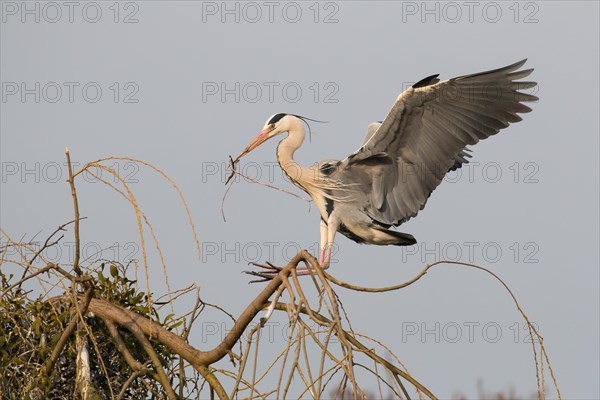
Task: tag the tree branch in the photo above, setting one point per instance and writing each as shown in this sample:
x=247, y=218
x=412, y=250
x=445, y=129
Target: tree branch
x=62, y=341
x=324, y=321
x=76, y=209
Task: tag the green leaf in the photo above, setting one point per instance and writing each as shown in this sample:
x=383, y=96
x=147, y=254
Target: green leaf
x=114, y=271
x=36, y=326
x=176, y=325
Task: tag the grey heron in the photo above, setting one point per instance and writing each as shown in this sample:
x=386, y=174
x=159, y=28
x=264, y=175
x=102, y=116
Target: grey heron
x=403, y=158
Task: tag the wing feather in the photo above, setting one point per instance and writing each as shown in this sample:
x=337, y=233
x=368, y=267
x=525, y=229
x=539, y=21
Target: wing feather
x=425, y=135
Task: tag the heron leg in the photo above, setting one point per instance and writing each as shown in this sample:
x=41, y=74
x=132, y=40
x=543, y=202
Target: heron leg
x=328, y=230
x=323, y=242
x=332, y=225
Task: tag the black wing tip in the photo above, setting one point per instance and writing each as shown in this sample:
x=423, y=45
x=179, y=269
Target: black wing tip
x=430, y=80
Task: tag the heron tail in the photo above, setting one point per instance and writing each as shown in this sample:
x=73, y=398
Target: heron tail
x=400, y=238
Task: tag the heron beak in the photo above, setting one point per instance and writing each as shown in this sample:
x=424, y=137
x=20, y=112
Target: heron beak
x=258, y=140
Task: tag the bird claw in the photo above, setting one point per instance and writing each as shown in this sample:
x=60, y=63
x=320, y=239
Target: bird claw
x=267, y=265
x=272, y=271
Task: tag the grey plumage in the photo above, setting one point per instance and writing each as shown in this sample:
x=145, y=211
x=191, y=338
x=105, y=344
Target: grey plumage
x=404, y=157
x=425, y=135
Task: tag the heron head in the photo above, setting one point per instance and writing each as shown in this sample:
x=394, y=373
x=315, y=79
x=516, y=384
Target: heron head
x=276, y=124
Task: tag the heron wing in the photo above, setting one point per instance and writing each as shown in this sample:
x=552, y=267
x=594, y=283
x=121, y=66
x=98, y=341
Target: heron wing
x=425, y=135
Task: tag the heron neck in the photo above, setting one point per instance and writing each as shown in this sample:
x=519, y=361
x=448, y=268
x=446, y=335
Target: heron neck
x=285, y=155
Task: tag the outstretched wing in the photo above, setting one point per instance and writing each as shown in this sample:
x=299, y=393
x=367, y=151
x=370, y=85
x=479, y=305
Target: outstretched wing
x=425, y=135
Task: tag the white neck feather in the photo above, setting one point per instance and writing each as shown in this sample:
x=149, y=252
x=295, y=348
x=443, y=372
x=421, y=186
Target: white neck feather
x=285, y=155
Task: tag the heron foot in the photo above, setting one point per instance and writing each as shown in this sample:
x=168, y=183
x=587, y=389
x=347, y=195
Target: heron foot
x=269, y=274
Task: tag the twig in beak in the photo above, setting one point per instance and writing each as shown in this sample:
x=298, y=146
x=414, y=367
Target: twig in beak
x=232, y=163
x=232, y=166
x=233, y=172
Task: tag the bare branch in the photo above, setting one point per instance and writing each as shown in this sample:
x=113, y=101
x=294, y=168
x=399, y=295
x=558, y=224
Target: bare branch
x=62, y=341
x=76, y=210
